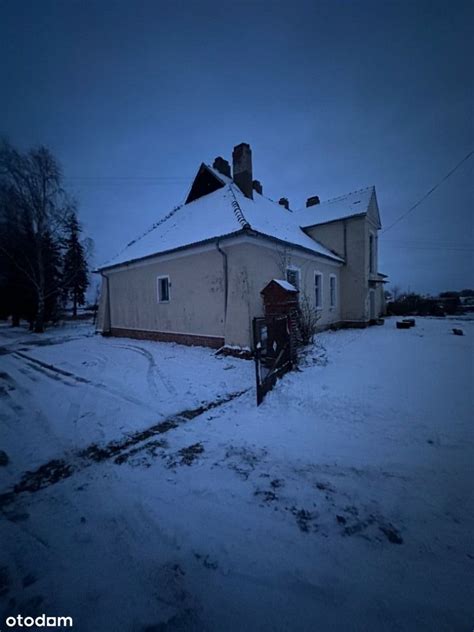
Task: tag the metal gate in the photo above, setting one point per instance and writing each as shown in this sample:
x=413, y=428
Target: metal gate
x=273, y=351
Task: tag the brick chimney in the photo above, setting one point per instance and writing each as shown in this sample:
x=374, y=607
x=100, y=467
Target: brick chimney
x=312, y=201
x=284, y=202
x=257, y=186
x=242, y=168
x=222, y=166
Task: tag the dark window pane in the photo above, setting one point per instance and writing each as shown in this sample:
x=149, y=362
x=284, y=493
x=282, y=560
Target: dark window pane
x=164, y=290
x=292, y=277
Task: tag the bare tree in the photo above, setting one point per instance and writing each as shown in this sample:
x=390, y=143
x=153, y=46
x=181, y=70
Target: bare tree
x=283, y=259
x=39, y=208
x=395, y=291
x=308, y=318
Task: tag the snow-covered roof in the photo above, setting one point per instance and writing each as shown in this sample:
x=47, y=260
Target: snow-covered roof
x=222, y=177
x=355, y=203
x=219, y=214
x=285, y=285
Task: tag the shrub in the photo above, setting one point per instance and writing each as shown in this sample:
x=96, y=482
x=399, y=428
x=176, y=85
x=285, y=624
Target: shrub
x=308, y=318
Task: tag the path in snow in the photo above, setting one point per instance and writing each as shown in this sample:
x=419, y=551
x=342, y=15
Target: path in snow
x=343, y=503
x=119, y=450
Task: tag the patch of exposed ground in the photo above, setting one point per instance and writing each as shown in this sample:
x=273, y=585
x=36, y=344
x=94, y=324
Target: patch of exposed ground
x=186, y=456
x=324, y=507
x=60, y=469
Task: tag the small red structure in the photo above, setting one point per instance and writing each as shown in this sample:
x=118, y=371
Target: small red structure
x=279, y=298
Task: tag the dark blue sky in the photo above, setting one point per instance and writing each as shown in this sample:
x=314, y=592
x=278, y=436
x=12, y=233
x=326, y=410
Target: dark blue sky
x=332, y=96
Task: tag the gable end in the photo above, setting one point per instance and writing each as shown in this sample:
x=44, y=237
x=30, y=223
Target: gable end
x=205, y=182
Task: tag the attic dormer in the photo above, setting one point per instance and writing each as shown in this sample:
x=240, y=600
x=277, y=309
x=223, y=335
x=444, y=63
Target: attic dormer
x=206, y=181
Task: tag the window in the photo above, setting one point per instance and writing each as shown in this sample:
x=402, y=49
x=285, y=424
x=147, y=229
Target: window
x=293, y=277
x=371, y=253
x=318, y=290
x=332, y=290
x=163, y=289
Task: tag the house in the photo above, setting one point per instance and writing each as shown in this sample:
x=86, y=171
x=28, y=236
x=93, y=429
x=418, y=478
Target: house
x=196, y=276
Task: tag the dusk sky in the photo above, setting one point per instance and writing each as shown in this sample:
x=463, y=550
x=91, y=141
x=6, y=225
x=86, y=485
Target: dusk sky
x=332, y=96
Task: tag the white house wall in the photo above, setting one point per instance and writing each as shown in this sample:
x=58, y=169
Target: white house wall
x=197, y=290
x=196, y=304
x=253, y=265
x=349, y=238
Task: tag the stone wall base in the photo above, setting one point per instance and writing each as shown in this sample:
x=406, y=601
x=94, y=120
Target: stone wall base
x=214, y=342
x=345, y=324
x=166, y=336
x=354, y=324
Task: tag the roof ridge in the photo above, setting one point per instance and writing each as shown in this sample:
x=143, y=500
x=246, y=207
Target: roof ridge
x=341, y=197
x=287, y=210
x=217, y=174
x=239, y=214
x=149, y=230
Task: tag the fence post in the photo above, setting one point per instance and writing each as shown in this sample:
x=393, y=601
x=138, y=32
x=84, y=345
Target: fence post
x=257, y=353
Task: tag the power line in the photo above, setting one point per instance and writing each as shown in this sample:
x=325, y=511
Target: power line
x=435, y=245
x=128, y=178
x=127, y=181
x=412, y=208
x=141, y=185
x=437, y=248
x=432, y=242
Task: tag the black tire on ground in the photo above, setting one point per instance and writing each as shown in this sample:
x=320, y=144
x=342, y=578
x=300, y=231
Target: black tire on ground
x=403, y=325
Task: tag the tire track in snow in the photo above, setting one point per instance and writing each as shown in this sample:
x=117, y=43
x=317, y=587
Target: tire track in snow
x=152, y=369
x=10, y=347
x=71, y=379
x=57, y=470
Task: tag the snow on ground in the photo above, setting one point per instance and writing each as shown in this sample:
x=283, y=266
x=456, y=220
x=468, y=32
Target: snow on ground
x=344, y=502
x=87, y=388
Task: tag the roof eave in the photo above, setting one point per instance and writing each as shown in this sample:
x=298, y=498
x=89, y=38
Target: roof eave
x=169, y=251
x=335, y=258
x=332, y=221
x=251, y=231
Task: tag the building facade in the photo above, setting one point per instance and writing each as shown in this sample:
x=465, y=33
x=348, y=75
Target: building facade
x=197, y=276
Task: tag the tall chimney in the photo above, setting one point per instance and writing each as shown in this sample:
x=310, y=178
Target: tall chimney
x=284, y=202
x=257, y=186
x=242, y=168
x=222, y=166
x=312, y=201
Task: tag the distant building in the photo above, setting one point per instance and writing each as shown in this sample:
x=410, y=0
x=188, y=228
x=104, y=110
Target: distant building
x=196, y=277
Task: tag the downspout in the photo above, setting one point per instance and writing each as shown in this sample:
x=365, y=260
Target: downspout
x=226, y=282
x=107, y=329
x=345, y=241
x=341, y=274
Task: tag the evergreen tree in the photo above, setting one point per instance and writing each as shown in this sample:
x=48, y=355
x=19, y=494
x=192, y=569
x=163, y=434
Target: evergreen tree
x=53, y=263
x=33, y=210
x=37, y=222
x=75, y=279
x=18, y=296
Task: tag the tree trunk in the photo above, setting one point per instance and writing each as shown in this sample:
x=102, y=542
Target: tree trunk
x=15, y=320
x=74, y=305
x=39, y=323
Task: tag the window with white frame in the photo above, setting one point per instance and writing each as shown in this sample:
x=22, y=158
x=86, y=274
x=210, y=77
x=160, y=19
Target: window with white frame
x=332, y=290
x=372, y=253
x=293, y=276
x=318, y=290
x=163, y=289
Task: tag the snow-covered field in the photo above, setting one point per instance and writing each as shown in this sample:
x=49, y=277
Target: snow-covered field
x=159, y=498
